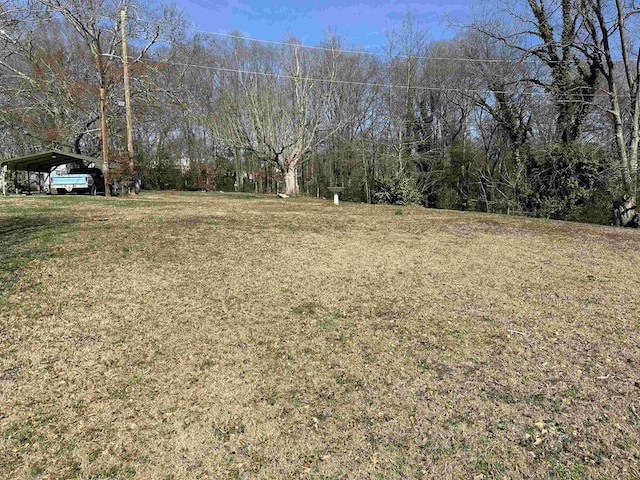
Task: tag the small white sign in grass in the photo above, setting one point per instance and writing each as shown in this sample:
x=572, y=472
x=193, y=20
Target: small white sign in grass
x=336, y=194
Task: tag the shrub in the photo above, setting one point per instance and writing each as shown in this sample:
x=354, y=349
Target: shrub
x=397, y=191
x=162, y=174
x=565, y=179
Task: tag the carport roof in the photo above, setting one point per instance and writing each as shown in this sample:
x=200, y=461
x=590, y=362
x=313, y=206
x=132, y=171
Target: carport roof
x=46, y=161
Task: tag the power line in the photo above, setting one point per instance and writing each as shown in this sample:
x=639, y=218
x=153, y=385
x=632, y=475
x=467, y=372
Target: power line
x=366, y=52
x=350, y=82
x=337, y=81
x=310, y=79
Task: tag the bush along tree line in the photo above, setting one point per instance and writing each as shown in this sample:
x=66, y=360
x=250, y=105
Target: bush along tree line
x=532, y=108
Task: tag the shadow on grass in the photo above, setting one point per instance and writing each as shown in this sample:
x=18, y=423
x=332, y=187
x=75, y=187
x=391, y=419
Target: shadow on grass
x=24, y=238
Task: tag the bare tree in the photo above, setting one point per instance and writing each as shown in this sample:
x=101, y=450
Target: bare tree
x=97, y=23
x=611, y=26
x=44, y=73
x=406, y=48
x=353, y=106
x=274, y=103
x=550, y=32
x=92, y=22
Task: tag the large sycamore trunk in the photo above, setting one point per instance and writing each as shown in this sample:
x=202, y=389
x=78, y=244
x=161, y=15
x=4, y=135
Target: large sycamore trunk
x=289, y=167
x=291, y=181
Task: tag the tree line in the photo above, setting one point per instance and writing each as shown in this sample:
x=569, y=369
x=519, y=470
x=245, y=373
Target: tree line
x=533, y=106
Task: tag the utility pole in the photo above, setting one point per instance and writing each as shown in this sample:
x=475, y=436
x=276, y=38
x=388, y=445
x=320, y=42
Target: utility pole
x=103, y=122
x=127, y=90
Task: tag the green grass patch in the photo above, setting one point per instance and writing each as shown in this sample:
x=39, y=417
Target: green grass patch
x=308, y=308
x=31, y=208
x=37, y=470
x=328, y=321
x=131, y=203
x=24, y=238
x=26, y=432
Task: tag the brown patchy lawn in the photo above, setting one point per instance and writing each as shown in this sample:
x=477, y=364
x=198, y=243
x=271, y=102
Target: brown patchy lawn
x=222, y=336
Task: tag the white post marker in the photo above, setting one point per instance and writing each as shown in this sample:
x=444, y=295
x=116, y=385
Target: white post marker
x=336, y=194
x=3, y=180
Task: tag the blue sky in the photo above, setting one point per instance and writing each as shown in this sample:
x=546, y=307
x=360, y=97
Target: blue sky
x=363, y=23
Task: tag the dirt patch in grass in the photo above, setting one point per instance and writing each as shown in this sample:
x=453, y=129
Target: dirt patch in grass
x=207, y=336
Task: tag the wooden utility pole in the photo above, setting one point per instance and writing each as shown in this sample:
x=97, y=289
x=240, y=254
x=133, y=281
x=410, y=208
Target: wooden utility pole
x=103, y=122
x=103, y=131
x=127, y=90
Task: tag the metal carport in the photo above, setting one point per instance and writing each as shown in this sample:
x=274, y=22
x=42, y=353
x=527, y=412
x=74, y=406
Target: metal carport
x=43, y=162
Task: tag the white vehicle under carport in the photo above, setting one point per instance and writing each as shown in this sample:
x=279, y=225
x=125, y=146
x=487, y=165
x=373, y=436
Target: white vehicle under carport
x=78, y=180
x=84, y=174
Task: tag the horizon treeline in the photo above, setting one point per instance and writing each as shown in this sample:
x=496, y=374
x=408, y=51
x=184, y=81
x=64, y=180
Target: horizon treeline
x=531, y=108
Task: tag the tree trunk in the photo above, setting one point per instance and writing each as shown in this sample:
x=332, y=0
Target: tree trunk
x=618, y=128
x=622, y=149
x=635, y=141
x=291, y=181
x=237, y=156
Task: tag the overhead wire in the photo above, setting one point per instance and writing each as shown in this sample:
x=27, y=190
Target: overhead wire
x=351, y=82
x=339, y=81
x=367, y=52
x=538, y=94
x=314, y=79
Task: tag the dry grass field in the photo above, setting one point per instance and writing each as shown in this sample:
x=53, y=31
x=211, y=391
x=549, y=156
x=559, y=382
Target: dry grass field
x=211, y=336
